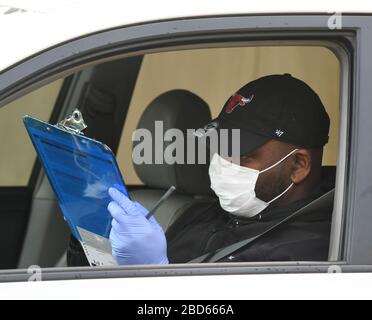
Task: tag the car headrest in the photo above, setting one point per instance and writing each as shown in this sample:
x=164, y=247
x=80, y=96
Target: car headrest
x=176, y=109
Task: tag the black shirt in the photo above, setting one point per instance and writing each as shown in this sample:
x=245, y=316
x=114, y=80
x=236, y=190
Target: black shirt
x=207, y=228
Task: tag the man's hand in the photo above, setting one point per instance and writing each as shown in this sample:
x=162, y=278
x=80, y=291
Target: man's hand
x=134, y=239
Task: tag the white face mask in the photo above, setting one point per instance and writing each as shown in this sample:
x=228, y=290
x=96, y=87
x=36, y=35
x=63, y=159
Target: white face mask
x=235, y=186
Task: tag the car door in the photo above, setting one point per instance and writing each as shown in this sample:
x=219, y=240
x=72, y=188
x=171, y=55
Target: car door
x=350, y=238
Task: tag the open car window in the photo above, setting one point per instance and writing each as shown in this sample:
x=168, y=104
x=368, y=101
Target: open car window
x=195, y=83
x=215, y=74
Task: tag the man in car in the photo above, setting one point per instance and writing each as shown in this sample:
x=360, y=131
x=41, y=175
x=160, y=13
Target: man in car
x=283, y=129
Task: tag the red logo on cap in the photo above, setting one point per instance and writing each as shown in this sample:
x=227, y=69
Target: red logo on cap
x=237, y=100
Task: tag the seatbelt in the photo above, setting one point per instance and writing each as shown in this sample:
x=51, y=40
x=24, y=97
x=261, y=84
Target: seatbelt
x=219, y=254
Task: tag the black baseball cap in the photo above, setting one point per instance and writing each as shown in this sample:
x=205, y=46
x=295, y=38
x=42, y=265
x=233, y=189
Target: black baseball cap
x=278, y=107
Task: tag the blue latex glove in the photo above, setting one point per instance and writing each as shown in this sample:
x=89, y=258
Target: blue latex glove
x=134, y=239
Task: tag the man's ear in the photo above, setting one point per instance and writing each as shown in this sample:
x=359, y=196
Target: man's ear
x=301, y=165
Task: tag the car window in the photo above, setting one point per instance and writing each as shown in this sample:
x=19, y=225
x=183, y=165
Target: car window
x=17, y=166
x=215, y=74
x=18, y=155
x=206, y=76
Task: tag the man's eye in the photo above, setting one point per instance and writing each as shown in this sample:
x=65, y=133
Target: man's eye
x=246, y=158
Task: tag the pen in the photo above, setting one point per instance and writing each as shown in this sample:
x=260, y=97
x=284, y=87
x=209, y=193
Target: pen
x=160, y=201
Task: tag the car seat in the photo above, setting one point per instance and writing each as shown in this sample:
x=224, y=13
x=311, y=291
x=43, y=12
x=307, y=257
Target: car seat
x=182, y=110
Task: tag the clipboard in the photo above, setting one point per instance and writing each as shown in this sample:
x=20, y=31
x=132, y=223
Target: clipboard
x=80, y=171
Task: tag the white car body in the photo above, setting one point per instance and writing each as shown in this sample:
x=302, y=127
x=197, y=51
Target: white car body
x=39, y=24
x=29, y=27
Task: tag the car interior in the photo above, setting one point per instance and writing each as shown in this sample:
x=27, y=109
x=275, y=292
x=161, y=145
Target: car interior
x=183, y=88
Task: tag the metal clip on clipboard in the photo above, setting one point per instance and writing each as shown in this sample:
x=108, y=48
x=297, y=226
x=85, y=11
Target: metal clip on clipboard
x=73, y=123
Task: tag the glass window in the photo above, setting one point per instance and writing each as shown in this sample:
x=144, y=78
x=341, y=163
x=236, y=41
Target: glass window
x=17, y=154
x=215, y=74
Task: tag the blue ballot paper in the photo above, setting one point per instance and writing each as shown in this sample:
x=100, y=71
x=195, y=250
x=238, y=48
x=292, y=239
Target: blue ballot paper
x=80, y=171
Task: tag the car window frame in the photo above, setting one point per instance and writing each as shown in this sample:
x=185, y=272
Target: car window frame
x=161, y=35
